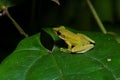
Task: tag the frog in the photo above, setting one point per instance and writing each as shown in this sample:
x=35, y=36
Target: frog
x=76, y=42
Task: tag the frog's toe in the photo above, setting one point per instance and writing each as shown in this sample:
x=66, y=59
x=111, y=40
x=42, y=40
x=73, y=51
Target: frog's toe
x=65, y=50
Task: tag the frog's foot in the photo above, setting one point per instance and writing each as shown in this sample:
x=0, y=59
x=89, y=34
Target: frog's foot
x=65, y=50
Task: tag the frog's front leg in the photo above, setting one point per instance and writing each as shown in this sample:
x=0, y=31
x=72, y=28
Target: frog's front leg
x=69, y=47
x=82, y=49
x=69, y=44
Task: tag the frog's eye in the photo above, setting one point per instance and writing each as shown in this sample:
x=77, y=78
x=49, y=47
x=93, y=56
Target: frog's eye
x=58, y=33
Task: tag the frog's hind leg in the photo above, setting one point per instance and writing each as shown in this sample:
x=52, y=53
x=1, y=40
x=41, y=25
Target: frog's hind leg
x=83, y=49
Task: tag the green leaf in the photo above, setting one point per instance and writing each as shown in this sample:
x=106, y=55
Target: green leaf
x=46, y=40
x=31, y=61
x=9, y=3
x=6, y=3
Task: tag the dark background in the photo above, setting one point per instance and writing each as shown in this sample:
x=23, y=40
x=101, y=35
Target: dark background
x=32, y=15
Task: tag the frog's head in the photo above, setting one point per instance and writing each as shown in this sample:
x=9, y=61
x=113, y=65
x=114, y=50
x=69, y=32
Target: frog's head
x=58, y=28
x=59, y=31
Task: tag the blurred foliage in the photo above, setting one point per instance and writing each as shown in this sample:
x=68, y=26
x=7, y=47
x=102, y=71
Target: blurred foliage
x=76, y=13
x=10, y=3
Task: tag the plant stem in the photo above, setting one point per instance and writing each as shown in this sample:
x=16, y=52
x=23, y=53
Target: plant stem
x=100, y=24
x=21, y=31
